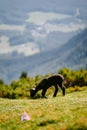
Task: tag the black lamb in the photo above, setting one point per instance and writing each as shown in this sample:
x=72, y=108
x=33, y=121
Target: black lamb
x=55, y=80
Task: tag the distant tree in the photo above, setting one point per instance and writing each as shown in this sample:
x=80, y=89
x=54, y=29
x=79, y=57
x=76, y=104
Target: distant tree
x=23, y=74
x=1, y=81
x=74, y=77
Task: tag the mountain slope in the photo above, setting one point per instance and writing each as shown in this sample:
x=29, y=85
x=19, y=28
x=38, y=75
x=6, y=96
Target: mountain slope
x=72, y=54
x=30, y=27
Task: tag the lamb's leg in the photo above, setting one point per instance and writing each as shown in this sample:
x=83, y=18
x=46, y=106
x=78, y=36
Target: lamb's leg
x=56, y=90
x=43, y=93
x=63, y=88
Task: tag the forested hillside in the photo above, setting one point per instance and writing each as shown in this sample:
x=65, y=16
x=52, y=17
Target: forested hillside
x=76, y=50
x=75, y=80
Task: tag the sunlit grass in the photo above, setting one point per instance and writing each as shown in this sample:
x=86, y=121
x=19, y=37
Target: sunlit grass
x=60, y=113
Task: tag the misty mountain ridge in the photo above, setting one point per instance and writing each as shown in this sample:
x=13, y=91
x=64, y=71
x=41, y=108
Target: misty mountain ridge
x=73, y=54
x=41, y=36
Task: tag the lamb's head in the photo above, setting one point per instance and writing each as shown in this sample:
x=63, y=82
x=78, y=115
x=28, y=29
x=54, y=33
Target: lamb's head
x=32, y=92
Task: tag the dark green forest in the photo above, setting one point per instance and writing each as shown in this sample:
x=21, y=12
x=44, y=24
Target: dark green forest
x=75, y=80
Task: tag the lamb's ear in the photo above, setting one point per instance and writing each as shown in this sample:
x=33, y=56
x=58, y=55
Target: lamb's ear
x=33, y=88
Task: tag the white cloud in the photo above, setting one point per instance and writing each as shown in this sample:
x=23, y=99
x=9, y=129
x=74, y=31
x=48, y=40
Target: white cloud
x=27, y=48
x=64, y=27
x=4, y=47
x=40, y=18
x=77, y=12
x=40, y=33
x=20, y=28
x=37, y=35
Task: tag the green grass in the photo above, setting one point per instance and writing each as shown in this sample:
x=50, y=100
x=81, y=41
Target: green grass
x=60, y=113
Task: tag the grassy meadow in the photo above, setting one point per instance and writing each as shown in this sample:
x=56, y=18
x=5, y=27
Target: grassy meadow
x=59, y=113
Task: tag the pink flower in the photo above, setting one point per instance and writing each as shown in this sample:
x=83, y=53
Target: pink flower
x=25, y=116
